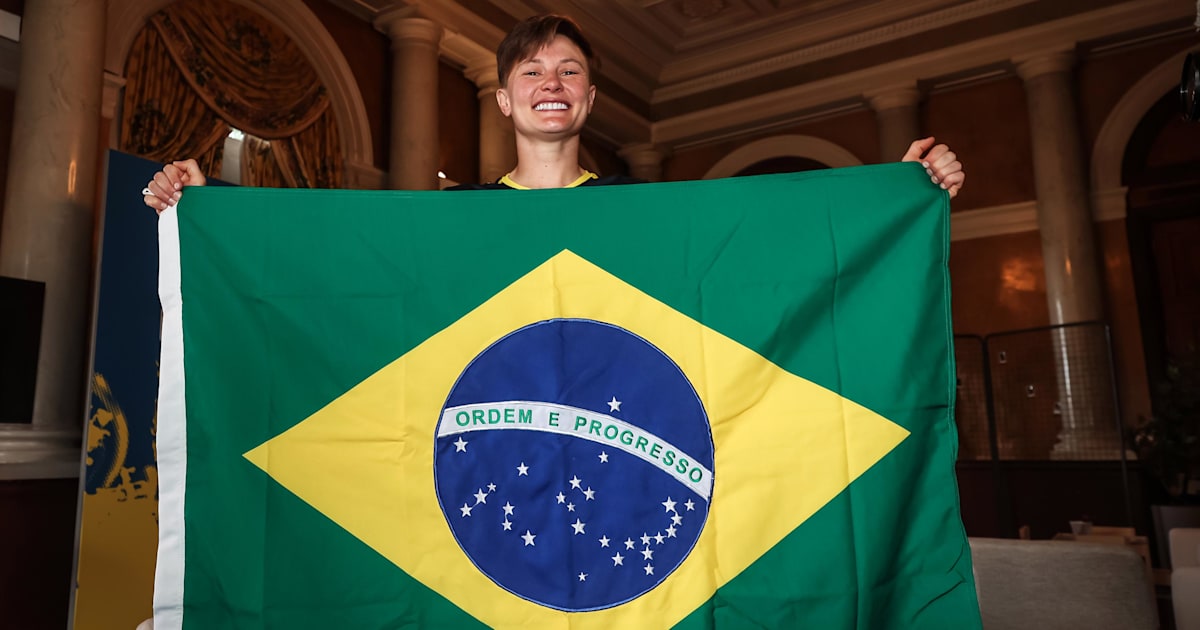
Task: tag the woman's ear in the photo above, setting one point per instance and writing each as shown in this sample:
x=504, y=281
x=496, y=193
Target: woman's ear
x=503, y=102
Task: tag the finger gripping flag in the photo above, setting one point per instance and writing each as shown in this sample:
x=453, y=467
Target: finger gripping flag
x=716, y=404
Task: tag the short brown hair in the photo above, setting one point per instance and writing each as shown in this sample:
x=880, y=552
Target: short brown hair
x=530, y=35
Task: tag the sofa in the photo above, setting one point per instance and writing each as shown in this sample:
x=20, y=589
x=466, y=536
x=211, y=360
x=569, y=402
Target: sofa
x=1185, y=577
x=1050, y=584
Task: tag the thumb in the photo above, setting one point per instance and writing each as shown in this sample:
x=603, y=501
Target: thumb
x=917, y=149
x=192, y=173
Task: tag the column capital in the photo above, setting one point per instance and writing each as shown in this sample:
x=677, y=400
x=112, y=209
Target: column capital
x=894, y=96
x=1050, y=61
x=644, y=159
x=482, y=72
x=643, y=152
x=405, y=25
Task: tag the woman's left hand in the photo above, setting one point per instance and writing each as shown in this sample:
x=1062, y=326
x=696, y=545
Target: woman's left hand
x=940, y=164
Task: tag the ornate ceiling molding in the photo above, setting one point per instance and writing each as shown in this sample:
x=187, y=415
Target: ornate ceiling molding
x=640, y=64
x=722, y=66
x=794, y=103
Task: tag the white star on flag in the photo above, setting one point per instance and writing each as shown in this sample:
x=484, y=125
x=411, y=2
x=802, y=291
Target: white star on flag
x=677, y=520
x=575, y=480
x=629, y=543
x=604, y=541
x=491, y=487
x=647, y=554
x=690, y=506
x=570, y=507
x=522, y=470
x=460, y=446
x=618, y=559
x=506, y=525
x=649, y=569
x=614, y=404
x=671, y=532
x=669, y=504
x=582, y=577
x=659, y=538
x=562, y=498
x=466, y=510
x=480, y=497
x=529, y=538
x=508, y=508
x=578, y=525
x=645, y=539
x=590, y=494
x=603, y=457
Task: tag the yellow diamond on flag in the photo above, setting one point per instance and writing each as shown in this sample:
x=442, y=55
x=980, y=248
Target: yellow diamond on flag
x=784, y=447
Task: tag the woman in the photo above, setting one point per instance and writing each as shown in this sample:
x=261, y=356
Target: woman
x=544, y=66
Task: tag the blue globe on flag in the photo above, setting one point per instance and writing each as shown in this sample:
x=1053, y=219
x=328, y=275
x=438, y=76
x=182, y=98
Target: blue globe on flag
x=574, y=464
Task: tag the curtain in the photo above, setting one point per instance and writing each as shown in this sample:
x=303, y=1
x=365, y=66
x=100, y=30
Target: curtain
x=216, y=61
x=164, y=119
x=259, y=165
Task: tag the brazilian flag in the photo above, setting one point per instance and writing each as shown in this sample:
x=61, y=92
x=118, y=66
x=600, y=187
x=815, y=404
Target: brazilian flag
x=718, y=404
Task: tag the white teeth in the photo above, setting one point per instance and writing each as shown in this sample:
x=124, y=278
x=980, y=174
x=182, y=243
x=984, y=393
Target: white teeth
x=541, y=107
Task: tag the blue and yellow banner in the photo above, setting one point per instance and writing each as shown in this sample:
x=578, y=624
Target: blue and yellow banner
x=118, y=519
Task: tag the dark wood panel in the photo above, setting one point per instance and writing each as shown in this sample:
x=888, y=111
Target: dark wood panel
x=37, y=542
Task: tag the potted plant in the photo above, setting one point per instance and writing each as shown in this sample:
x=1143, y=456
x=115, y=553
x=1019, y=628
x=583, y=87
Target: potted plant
x=1168, y=447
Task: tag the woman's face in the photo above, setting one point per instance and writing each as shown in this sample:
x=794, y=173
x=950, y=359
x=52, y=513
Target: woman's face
x=549, y=95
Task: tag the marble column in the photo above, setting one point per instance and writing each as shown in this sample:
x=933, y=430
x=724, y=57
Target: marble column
x=497, y=140
x=896, y=113
x=644, y=160
x=49, y=219
x=414, y=141
x=1073, y=273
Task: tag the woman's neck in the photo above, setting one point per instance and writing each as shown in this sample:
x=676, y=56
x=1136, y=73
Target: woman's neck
x=546, y=164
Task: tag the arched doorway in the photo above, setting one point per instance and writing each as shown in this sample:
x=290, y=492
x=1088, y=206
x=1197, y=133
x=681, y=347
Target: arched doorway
x=782, y=154
x=1161, y=169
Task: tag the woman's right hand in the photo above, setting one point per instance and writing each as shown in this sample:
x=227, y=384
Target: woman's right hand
x=166, y=188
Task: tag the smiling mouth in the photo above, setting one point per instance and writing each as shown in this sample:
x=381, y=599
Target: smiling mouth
x=546, y=107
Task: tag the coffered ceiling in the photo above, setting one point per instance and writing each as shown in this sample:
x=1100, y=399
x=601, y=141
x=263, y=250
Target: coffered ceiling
x=684, y=72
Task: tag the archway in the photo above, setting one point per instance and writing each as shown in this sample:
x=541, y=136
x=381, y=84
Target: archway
x=126, y=19
x=1109, y=150
x=809, y=147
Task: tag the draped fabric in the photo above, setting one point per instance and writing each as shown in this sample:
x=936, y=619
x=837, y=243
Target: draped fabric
x=259, y=165
x=200, y=67
x=164, y=118
x=302, y=158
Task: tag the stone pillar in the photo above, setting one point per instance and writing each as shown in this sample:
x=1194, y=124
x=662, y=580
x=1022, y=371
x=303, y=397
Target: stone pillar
x=1069, y=251
x=644, y=160
x=49, y=217
x=896, y=112
x=414, y=141
x=497, y=140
